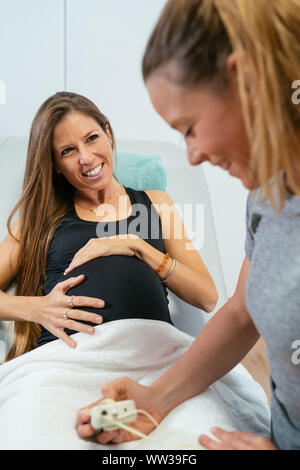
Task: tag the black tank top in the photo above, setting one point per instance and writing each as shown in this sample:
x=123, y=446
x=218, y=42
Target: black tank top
x=128, y=285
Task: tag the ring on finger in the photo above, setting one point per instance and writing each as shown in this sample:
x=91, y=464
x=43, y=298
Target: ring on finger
x=69, y=300
x=65, y=315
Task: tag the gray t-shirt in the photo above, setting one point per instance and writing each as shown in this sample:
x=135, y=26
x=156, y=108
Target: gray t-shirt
x=273, y=301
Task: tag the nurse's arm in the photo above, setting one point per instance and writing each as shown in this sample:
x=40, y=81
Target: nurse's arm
x=220, y=346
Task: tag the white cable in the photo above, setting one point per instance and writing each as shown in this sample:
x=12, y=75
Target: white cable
x=144, y=436
x=139, y=433
x=141, y=411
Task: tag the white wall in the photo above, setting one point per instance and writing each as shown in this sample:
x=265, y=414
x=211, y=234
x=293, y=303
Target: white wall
x=104, y=61
x=31, y=59
x=94, y=47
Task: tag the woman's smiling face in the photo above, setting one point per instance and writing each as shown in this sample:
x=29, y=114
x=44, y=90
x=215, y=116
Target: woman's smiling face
x=79, y=145
x=211, y=123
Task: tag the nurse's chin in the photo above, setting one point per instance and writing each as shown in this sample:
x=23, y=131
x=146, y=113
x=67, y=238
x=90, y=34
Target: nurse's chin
x=249, y=181
x=251, y=186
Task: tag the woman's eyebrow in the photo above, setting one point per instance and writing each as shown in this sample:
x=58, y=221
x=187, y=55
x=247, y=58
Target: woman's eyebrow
x=84, y=137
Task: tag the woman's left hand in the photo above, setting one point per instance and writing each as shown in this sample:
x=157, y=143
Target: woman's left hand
x=123, y=244
x=235, y=440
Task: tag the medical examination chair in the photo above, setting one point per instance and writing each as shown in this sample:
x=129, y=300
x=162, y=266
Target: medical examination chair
x=185, y=184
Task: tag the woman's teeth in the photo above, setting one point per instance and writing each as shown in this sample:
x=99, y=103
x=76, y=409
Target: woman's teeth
x=94, y=172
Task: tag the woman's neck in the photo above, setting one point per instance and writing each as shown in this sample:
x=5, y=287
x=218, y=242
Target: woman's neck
x=95, y=198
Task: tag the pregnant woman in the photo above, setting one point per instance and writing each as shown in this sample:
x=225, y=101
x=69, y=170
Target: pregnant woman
x=77, y=234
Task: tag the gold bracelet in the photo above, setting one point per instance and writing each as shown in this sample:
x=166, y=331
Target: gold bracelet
x=163, y=263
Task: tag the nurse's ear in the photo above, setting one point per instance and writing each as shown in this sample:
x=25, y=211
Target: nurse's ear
x=239, y=59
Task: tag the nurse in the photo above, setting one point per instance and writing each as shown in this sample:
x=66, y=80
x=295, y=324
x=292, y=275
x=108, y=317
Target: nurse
x=223, y=73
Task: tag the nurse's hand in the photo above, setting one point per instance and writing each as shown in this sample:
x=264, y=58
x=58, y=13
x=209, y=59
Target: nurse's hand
x=235, y=440
x=122, y=389
x=53, y=312
x=123, y=244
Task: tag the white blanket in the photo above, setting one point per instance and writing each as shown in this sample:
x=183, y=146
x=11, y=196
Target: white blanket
x=41, y=391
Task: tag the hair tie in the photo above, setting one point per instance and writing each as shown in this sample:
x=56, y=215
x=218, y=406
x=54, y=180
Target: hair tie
x=163, y=263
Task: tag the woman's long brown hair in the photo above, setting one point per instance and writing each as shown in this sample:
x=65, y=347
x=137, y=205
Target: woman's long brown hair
x=46, y=198
x=190, y=45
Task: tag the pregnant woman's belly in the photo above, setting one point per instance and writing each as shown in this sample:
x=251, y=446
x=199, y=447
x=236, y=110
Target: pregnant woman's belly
x=128, y=286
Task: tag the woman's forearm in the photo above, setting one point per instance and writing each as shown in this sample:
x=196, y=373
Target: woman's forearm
x=220, y=346
x=191, y=286
x=15, y=307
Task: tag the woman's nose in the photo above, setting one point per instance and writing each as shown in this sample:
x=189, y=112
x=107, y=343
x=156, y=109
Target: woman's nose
x=84, y=156
x=195, y=155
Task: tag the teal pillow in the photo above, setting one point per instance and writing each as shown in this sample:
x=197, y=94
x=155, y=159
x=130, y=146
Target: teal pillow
x=140, y=172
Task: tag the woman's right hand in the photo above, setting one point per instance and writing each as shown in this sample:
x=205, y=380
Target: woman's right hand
x=49, y=311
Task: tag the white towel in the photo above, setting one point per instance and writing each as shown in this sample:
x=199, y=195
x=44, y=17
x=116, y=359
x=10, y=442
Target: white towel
x=41, y=391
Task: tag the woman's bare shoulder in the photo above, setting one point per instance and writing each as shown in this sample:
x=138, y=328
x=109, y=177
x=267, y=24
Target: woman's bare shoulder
x=158, y=196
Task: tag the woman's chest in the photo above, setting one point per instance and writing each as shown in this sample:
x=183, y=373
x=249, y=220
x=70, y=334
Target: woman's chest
x=273, y=284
